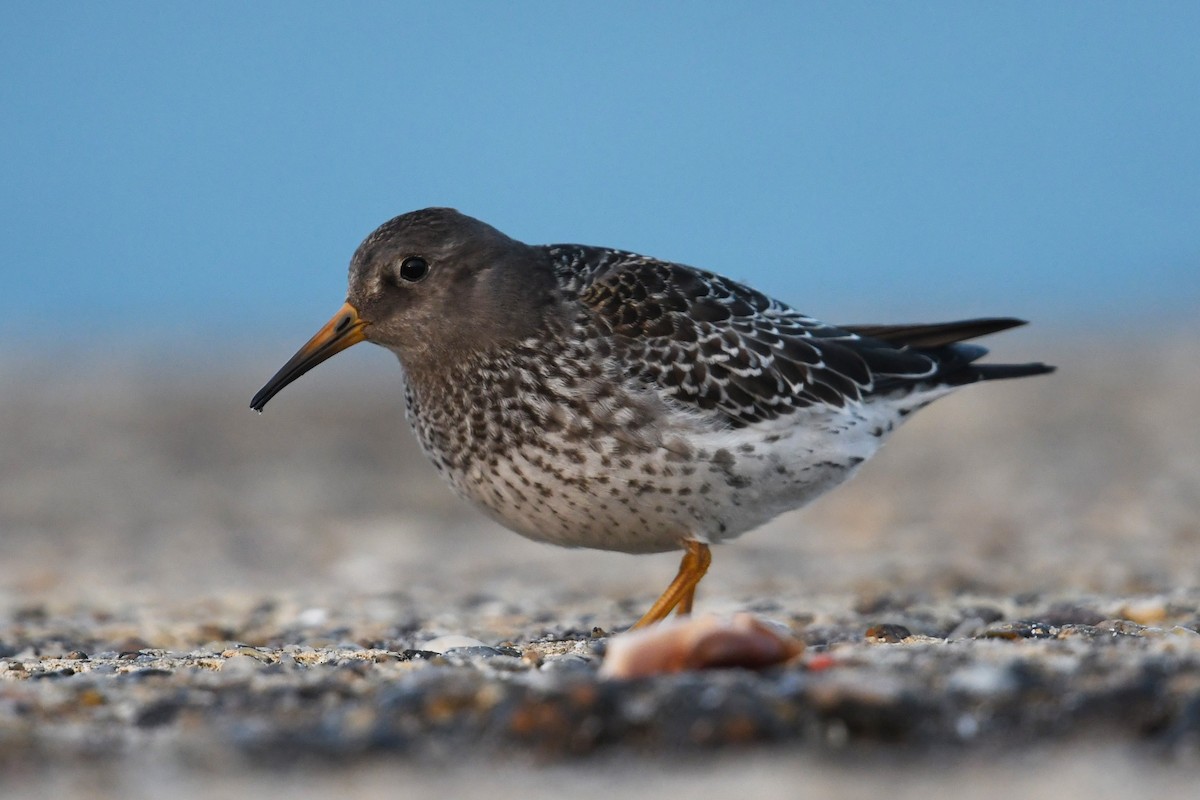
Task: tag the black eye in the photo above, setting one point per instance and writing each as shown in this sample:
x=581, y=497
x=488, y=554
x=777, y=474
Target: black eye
x=414, y=268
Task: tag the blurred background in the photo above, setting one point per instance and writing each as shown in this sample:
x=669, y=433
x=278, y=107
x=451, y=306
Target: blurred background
x=182, y=186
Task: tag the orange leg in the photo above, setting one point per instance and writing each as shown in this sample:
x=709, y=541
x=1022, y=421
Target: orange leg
x=685, y=603
x=682, y=590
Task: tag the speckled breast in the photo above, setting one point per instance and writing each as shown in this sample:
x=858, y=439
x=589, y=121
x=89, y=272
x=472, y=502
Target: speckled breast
x=563, y=451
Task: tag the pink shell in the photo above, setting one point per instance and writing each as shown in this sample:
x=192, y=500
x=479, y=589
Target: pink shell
x=690, y=643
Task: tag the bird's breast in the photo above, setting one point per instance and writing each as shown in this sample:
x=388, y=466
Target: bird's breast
x=598, y=463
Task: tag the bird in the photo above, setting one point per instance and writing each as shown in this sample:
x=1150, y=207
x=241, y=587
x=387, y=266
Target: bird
x=593, y=397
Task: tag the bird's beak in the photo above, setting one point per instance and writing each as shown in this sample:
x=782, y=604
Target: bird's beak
x=344, y=330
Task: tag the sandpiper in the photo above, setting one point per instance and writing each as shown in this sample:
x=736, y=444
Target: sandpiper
x=591, y=397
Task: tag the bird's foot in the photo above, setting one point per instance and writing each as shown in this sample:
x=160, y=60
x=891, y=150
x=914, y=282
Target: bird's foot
x=682, y=591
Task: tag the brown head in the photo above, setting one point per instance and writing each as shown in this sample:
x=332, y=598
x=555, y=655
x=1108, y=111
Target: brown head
x=433, y=286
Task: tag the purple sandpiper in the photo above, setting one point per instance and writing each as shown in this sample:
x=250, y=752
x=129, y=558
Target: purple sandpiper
x=590, y=397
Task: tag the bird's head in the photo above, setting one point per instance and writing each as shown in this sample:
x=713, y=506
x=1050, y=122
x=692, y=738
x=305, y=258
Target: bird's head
x=432, y=286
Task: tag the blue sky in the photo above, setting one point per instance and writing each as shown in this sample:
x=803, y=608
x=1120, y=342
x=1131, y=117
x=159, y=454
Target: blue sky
x=208, y=168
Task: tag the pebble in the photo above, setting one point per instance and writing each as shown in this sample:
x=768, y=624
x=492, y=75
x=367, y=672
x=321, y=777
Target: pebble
x=250, y=652
x=451, y=641
x=471, y=652
x=1018, y=630
x=1145, y=611
x=241, y=665
x=572, y=662
x=887, y=634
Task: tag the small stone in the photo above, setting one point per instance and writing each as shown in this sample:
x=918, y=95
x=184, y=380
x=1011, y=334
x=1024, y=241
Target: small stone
x=241, y=665
x=1145, y=611
x=250, y=652
x=306, y=657
x=887, y=634
x=1018, y=630
x=1120, y=627
x=451, y=641
x=287, y=662
x=65, y=672
x=1078, y=632
x=566, y=662
x=473, y=653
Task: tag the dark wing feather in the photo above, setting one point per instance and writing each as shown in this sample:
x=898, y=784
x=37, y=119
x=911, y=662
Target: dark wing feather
x=711, y=342
x=937, y=334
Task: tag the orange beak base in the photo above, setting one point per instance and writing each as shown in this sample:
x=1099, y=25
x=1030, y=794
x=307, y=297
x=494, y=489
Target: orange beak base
x=343, y=331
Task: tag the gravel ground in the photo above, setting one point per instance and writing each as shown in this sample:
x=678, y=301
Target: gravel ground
x=1005, y=600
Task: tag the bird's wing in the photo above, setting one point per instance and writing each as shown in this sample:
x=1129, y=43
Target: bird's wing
x=710, y=342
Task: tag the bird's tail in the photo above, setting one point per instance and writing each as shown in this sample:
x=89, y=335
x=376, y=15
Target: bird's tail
x=944, y=343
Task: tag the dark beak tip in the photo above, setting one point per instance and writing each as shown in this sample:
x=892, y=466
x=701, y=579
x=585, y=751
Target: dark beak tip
x=344, y=330
x=262, y=397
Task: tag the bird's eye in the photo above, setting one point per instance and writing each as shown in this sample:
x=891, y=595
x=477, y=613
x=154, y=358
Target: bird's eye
x=414, y=268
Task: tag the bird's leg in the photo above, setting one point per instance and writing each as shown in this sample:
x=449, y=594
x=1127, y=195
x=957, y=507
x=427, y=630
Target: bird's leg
x=683, y=589
x=685, y=603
